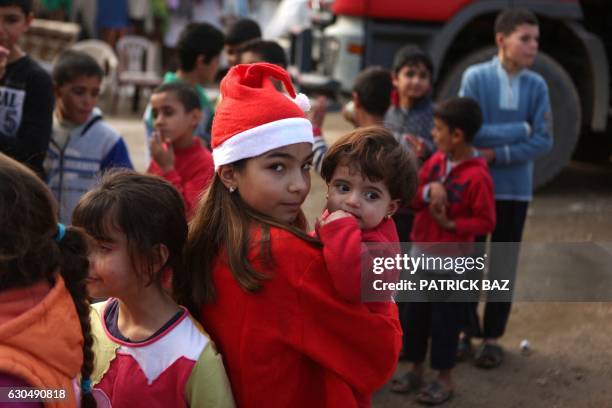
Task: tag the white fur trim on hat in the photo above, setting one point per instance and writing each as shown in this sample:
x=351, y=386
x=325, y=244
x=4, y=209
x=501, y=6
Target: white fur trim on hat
x=258, y=140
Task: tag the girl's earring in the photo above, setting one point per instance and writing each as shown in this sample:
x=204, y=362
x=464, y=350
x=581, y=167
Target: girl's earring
x=232, y=189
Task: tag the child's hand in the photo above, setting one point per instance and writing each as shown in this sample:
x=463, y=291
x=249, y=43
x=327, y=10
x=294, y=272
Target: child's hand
x=487, y=154
x=418, y=145
x=440, y=216
x=162, y=152
x=336, y=215
x=318, y=112
x=4, y=54
x=437, y=195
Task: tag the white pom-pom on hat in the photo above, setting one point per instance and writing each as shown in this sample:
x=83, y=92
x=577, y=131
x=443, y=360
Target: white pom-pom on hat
x=302, y=101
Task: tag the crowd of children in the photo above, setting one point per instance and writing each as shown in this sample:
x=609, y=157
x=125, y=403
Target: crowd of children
x=214, y=290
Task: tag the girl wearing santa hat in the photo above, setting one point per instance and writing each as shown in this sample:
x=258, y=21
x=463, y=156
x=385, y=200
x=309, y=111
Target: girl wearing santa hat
x=256, y=279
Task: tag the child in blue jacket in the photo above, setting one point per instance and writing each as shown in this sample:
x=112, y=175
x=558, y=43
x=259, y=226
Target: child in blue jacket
x=517, y=129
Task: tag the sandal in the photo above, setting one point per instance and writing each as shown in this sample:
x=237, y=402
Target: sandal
x=465, y=351
x=434, y=394
x=489, y=356
x=406, y=383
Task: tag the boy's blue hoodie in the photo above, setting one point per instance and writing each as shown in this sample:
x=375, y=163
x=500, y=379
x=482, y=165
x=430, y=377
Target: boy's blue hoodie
x=511, y=107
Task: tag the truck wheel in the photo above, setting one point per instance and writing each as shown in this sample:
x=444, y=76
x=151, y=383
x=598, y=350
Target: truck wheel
x=565, y=106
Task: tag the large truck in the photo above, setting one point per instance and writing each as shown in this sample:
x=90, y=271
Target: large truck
x=575, y=40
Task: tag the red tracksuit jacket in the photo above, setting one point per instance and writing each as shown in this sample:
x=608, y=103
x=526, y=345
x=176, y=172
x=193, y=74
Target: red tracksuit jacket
x=469, y=189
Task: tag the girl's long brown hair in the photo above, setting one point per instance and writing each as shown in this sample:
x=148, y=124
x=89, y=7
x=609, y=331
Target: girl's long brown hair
x=29, y=253
x=223, y=223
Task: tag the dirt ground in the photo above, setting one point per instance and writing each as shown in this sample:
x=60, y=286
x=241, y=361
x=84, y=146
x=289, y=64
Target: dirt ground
x=570, y=364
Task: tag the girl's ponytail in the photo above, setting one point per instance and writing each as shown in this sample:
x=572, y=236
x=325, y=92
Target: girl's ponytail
x=74, y=267
x=33, y=248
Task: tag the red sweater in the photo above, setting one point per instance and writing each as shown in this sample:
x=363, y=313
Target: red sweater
x=295, y=343
x=347, y=257
x=469, y=189
x=193, y=172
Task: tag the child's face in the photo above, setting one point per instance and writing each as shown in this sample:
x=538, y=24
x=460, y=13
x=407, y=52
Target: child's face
x=207, y=70
x=233, y=53
x=170, y=119
x=412, y=81
x=111, y=273
x=76, y=99
x=521, y=46
x=446, y=140
x=13, y=23
x=367, y=200
x=250, y=57
x=277, y=182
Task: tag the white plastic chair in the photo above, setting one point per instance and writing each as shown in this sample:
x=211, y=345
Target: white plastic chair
x=137, y=60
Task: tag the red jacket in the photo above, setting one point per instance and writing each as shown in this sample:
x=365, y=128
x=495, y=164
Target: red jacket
x=295, y=343
x=469, y=189
x=347, y=258
x=193, y=172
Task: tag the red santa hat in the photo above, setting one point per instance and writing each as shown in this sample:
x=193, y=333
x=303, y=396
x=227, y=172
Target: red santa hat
x=253, y=117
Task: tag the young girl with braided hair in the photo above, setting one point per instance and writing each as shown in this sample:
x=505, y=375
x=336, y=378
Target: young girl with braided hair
x=45, y=338
x=149, y=351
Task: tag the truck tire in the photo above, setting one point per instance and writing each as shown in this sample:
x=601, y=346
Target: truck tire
x=565, y=106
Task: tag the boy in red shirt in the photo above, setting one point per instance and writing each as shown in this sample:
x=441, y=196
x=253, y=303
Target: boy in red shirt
x=178, y=155
x=466, y=210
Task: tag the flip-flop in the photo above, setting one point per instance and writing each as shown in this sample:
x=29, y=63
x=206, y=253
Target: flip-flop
x=489, y=356
x=434, y=394
x=406, y=383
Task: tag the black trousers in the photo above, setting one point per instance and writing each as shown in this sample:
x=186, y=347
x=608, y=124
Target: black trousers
x=439, y=320
x=503, y=261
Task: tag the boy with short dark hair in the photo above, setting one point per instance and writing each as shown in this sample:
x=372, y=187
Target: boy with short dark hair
x=411, y=113
x=82, y=144
x=517, y=129
x=199, y=48
x=178, y=155
x=371, y=97
x=263, y=51
x=469, y=211
x=26, y=103
x=237, y=35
